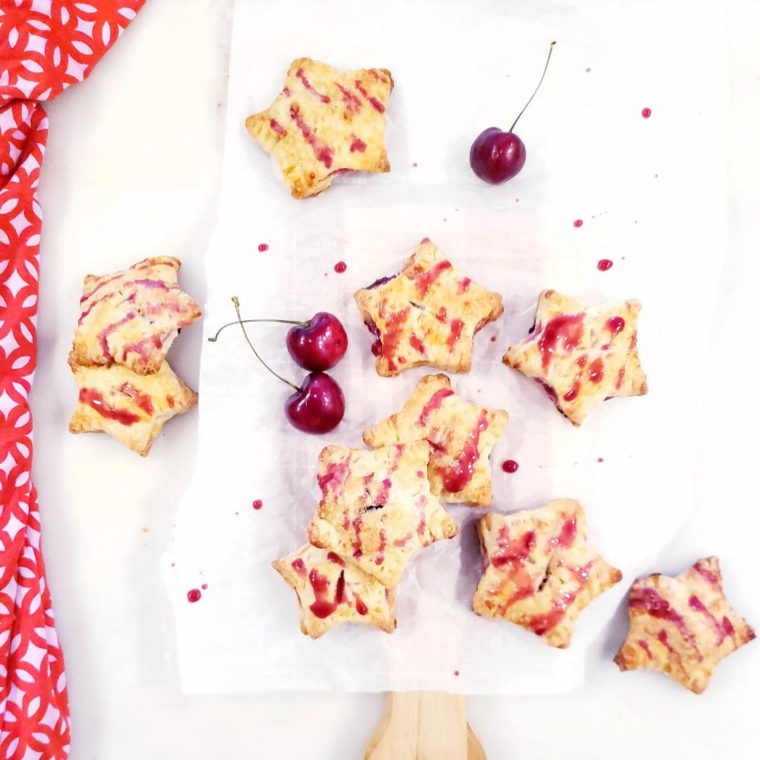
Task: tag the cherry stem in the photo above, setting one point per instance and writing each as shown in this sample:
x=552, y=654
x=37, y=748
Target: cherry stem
x=248, y=321
x=236, y=304
x=546, y=66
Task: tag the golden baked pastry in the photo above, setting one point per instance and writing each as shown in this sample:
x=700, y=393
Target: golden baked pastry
x=325, y=122
x=332, y=591
x=461, y=434
x=682, y=626
x=539, y=571
x=376, y=508
x=129, y=407
x=426, y=314
x=131, y=318
x=581, y=355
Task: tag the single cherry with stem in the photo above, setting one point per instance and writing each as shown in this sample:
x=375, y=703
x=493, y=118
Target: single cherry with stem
x=318, y=343
x=497, y=156
x=317, y=406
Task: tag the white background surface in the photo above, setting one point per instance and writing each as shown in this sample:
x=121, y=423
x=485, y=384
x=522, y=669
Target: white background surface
x=243, y=637
x=138, y=148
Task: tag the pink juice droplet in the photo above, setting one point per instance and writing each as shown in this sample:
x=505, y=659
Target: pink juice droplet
x=193, y=595
x=603, y=265
x=340, y=267
x=263, y=247
x=578, y=223
x=510, y=466
x=257, y=504
x=646, y=112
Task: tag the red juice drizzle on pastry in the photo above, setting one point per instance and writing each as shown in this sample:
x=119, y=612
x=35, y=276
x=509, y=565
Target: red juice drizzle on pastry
x=645, y=646
x=394, y=328
x=696, y=604
x=615, y=325
x=543, y=623
x=334, y=476
x=463, y=285
x=648, y=600
x=299, y=566
x=455, y=332
x=433, y=405
x=277, y=128
x=322, y=606
x=308, y=86
x=417, y=345
x=460, y=474
x=567, y=328
x=106, y=332
x=322, y=150
x=596, y=371
x=425, y=279
x=352, y=102
x=706, y=573
x=141, y=399
x=361, y=608
x=513, y=551
x=373, y=101
x=94, y=398
x=357, y=145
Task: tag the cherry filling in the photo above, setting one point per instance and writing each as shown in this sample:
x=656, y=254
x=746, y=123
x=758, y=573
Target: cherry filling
x=381, y=281
x=377, y=344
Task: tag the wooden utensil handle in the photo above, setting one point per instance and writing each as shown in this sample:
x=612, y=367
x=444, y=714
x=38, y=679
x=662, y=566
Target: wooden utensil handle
x=424, y=725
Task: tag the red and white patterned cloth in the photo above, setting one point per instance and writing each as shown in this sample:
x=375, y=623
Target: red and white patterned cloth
x=45, y=46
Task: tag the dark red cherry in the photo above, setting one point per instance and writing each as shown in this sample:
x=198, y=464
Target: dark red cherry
x=497, y=156
x=317, y=406
x=318, y=344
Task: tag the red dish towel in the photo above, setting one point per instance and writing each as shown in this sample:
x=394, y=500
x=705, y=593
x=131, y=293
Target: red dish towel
x=45, y=46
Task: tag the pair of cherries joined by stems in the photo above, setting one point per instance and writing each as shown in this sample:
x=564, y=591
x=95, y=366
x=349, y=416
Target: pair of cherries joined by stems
x=318, y=344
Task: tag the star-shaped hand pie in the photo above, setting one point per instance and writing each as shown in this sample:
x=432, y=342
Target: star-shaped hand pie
x=426, y=314
x=377, y=508
x=539, y=571
x=129, y=407
x=682, y=626
x=325, y=123
x=132, y=317
x=332, y=591
x=461, y=434
x=581, y=355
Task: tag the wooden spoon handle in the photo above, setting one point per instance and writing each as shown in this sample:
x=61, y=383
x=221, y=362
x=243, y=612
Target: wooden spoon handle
x=424, y=725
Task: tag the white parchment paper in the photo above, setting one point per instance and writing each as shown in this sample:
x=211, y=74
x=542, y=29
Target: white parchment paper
x=651, y=194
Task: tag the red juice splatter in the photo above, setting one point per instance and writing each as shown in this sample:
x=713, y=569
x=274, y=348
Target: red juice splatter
x=604, y=264
x=340, y=267
x=646, y=112
x=257, y=504
x=263, y=247
x=193, y=595
x=510, y=466
x=578, y=223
